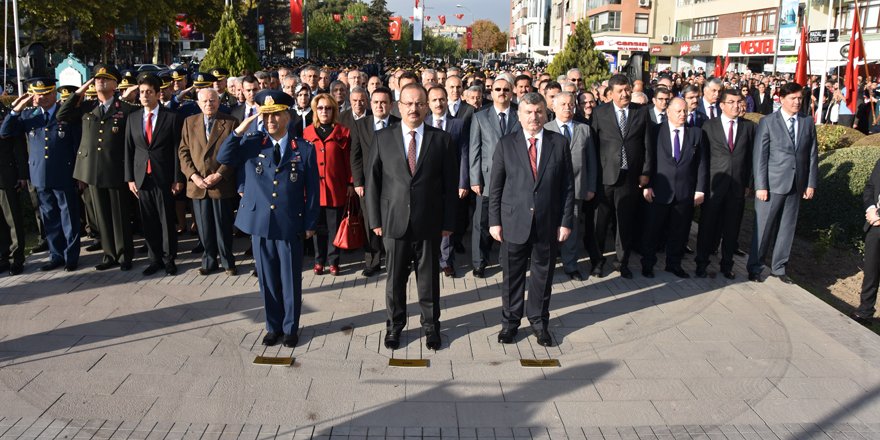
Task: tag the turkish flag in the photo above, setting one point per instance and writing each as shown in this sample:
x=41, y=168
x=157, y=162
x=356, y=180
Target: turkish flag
x=726, y=64
x=800, y=72
x=364, y=18
x=337, y=17
x=854, y=59
x=469, y=38
x=442, y=19
x=459, y=16
x=427, y=18
x=296, y=17
x=717, y=72
x=394, y=27
x=417, y=3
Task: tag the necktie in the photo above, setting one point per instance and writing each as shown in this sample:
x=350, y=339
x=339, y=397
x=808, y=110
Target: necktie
x=208, y=128
x=566, y=132
x=676, y=147
x=663, y=117
x=101, y=106
x=691, y=120
x=621, y=123
x=454, y=108
x=624, y=165
x=533, y=157
x=380, y=125
x=711, y=112
x=791, y=129
x=439, y=124
x=503, y=117
x=730, y=136
x=411, y=153
x=148, y=133
x=276, y=153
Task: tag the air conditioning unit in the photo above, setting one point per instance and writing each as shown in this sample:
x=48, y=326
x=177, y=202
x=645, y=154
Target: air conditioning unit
x=667, y=39
x=644, y=3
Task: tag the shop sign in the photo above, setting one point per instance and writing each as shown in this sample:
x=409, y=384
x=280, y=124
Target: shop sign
x=625, y=44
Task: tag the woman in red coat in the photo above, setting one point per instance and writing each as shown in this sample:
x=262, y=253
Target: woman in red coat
x=333, y=147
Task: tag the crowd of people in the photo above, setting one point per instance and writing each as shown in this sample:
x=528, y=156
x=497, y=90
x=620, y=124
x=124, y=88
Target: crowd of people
x=540, y=166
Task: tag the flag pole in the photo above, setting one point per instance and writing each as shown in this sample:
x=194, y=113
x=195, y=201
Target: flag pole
x=861, y=42
x=825, y=65
x=776, y=41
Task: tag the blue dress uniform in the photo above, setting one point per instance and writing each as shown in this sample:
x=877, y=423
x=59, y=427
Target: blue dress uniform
x=52, y=147
x=280, y=203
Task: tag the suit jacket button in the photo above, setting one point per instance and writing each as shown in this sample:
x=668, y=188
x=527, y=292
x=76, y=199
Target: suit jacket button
x=46, y=147
x=271, y=206
x=274, y=194
x=100, y=140
x=99, y=148
x=275, y=182
x=46, y=156
x=100, y=131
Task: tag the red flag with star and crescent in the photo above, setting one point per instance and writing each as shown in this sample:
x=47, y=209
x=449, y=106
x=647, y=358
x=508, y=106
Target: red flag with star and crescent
x=854, y=59
x=394, y=27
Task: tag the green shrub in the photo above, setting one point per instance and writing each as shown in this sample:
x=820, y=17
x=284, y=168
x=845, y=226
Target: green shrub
x=869, y=140
x=832, y=137
x=754, y=117
x=838, y=203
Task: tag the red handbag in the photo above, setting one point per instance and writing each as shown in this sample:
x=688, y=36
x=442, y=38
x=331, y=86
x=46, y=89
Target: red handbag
x=351, y=234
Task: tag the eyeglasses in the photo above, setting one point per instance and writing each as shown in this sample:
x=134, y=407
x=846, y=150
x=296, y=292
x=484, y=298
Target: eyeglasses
x=737, y=102
x=322, y=108
x=411, y=104
x=663, y=99
x=577, y=80
x=499, y=89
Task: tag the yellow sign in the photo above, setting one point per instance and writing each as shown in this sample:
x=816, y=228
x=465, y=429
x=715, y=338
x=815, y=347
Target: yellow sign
x=408, y=363
x=268, y=360
x=540, y=363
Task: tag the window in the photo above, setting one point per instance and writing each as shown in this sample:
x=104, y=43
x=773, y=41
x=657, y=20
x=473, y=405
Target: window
x=705, y=27
x=869, y=12
x=605, y=22
x=593, y=4
x=641, y=24
x=759, y=22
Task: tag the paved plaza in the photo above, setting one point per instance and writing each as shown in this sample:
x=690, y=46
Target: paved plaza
x=115, y=355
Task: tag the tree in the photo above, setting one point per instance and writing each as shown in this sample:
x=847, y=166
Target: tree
x=440, y=46
x=326, y=37
x=580, y=52
x=486, y=37
x=229, y=48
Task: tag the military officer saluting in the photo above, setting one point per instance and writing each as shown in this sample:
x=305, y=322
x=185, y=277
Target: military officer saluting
x=100, y=161
x=51, y=153
x=278, y=209
x=221, y=74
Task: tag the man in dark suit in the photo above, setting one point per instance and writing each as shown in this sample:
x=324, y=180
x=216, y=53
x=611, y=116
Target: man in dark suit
x=691, y=95
x=678, y=182
x=100, y=162
x=585, y=174
x=13, y=179
x=361, y=147
x=458, y=108
x=708, y=106
x=729, y=140
x=439, y=118
x=625, y=159
x=152, y=170
x=211, y=186
x=487, y=126
x=279, y=208
x=249, y=86
x=786, y=169
x=763, y=99
x=864, y=313
x=411, y=196
x=657, y=110
x=358, y=99
x=51, y=151
x=531, y=203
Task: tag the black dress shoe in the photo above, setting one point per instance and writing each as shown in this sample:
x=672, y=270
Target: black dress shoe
x=598, y=269
x=392, y=339
x=170, y=268
x=784, y=278
x=863, y=320
x=96, y=246
x=208, y=271
x=231, y=272
x=507, y=336
x=647, y=272
x=701, y=272
x=151, y=269
x=16, y=269
x=42, y=246
x=369, y=272
x=198, y=249
x=576, y=275
x=449, y=272
x=106, y=265
x=625, y=272
x=125, y=266
x=688, y=250
x=479, y=272
x=290, y=341
x=271, y=338
x=70, y=267
x=679, y=272
x=543, y=336
x=52, y=265
x=739, y=252
x=755, y=277
x=728, y=274
x=432, y=340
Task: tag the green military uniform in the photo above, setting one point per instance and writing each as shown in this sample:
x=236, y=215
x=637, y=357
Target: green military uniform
x=100, y=163
x=13, y=167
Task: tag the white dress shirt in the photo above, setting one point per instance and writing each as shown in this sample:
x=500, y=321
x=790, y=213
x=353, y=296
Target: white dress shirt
x=538, y=145
x=420, y=136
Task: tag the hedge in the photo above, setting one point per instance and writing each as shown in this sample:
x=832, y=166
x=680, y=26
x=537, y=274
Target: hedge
x=869, y=140
x=832, y=137
x=842, y=177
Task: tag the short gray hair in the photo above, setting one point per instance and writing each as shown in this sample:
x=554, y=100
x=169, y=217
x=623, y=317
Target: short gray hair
x=533, y=98
x=359, y=89
x=210, y=90
x=572, y=70
x=564, y=94
x=713, y=81
x=477, y=89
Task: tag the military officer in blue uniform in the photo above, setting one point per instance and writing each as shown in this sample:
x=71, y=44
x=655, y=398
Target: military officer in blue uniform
x=52, y=147
x=278, y=209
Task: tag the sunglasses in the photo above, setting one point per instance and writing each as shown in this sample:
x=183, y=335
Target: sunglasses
x=499, y=89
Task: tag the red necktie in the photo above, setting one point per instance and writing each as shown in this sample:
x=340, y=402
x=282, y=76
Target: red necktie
x=533, y=157
x=149, y=136
x=730, y=136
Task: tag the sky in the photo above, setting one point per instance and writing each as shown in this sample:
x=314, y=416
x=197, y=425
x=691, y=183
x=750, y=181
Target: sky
x=494, y=10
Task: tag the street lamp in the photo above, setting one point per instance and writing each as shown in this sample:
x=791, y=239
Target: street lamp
x=461, y=6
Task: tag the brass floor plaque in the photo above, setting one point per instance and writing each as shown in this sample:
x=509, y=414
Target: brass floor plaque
x=408, y=363
x=540, y=363
x=268, y=360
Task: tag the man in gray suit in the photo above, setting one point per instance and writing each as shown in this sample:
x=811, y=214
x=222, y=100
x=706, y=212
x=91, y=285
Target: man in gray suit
x=487, y=127
x=786, y=168
x=583, y=160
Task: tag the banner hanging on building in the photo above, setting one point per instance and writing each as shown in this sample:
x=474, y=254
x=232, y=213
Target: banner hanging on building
x=788, y=26
x=394, y=28
x=296, y=17
x=417, y=21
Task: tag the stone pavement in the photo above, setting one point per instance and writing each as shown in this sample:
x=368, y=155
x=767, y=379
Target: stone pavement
x=115, y=355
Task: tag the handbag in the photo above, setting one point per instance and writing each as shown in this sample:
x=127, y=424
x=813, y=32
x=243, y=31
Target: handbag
x=351, y=233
